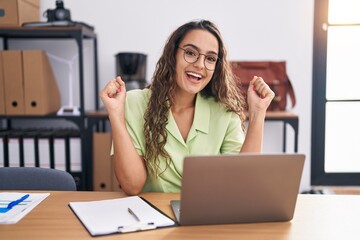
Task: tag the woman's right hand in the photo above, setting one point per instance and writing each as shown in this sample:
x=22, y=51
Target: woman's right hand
x=113, y=96
x=129, y=167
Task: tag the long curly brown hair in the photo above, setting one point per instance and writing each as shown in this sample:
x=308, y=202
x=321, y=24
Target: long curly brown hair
x=222, y=87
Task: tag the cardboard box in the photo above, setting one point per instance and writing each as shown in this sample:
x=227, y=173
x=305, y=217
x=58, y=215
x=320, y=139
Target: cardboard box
x=2, y=88
x=102, y=168
x=41, y=92
x=14, y=85
x=16, y=12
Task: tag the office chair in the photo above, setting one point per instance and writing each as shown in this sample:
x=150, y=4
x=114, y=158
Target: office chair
x=34, y=178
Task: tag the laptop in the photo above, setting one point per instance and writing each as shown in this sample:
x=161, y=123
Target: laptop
x=244, y=188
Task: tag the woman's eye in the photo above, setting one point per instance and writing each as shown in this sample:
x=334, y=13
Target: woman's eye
x=211, y=59
x=190, y=53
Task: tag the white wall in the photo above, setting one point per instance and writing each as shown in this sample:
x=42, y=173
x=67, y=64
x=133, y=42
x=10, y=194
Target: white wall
x=252, y=30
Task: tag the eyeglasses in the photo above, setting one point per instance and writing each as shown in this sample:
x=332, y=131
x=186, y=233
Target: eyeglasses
x=191, y=55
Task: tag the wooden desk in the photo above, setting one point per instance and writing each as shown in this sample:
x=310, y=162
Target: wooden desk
x=316, y=217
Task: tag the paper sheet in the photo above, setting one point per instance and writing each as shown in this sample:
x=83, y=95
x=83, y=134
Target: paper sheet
x=20, y=210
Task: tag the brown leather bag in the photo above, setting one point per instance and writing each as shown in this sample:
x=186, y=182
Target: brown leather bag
x=273, y=73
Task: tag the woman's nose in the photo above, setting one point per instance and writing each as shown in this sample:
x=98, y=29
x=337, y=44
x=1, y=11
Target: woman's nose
x=200, y=62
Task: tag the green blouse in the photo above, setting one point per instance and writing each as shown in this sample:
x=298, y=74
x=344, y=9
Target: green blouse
x=214, y=131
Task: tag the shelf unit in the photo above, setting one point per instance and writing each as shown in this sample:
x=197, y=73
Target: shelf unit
x=78, y=34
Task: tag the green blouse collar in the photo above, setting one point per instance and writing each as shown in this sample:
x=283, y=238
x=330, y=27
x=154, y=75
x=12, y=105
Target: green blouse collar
x=201, y=121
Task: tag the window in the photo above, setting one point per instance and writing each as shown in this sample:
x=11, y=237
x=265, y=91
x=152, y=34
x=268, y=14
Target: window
x=335, y=152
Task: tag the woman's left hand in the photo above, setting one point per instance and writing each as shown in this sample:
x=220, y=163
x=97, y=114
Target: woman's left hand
x=259, y=95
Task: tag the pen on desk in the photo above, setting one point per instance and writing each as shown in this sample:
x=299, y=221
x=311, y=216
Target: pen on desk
x=16, y=202
x=132, y=213
x=139, y=226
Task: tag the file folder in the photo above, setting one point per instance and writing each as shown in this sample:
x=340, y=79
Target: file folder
x=75, y=153
x=2, y=87
x=4, y=144
x=67, y=150
x=41, y=92
x=14, y=139
x=13, y=78
x=29, y=148
x=43, y=149
x=102, y=170
x=60, y=150
x=2, y=150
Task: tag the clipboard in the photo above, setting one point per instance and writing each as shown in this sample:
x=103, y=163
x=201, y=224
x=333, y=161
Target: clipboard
x=120, y=215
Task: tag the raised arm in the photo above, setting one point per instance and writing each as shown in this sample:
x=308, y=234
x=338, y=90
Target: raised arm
x=259, y=97
x=129, y=167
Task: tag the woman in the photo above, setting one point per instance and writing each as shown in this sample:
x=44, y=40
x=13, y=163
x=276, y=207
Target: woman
x=192, y=107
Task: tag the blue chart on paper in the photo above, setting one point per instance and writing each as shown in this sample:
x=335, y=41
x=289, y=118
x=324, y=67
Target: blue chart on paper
x=4, y=204
x=4, y=210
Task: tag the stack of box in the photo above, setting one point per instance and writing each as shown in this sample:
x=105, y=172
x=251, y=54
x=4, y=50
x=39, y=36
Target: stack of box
x=16, y=12
x=27, y=83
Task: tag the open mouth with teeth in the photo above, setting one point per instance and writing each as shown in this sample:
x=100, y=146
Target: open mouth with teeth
x=194, y=76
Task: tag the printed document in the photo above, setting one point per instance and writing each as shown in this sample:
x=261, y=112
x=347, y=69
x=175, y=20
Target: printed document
x=18, y=208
